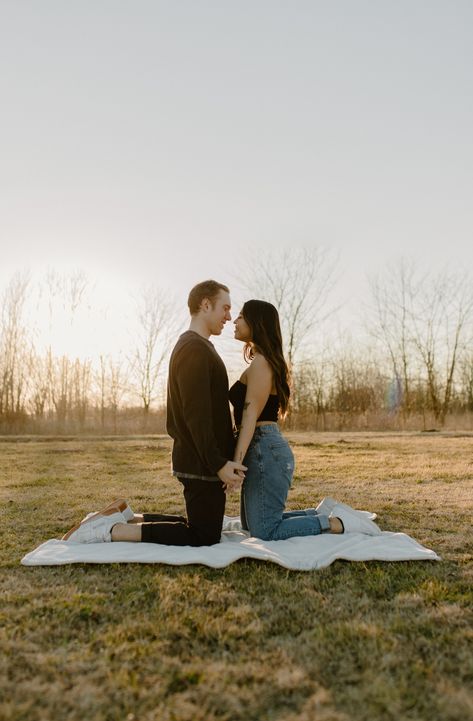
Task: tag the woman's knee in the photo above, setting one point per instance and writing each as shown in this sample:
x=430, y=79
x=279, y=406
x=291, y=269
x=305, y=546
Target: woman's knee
x=262, y=531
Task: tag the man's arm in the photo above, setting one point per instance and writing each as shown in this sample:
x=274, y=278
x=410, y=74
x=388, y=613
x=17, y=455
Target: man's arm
x=232, y=475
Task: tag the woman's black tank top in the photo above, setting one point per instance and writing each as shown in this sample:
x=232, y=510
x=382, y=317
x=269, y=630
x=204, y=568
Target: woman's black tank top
x=237, y=394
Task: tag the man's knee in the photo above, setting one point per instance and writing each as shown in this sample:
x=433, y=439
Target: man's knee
x=206, y=536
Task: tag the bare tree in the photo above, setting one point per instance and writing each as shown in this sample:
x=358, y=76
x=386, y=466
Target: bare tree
x=60, y=386
x=442, y=315
x=309, y=397
x=69, y=388
x=81, y=372
x=68, y=381
x=422, y=320
x=356, y=384
x=391, y=322
x=14, y=349
x=466, y=375
x=101, y=378
x=68, y=288
x=39, y=395
x=112, y=381
x=117, y=388
x=298, y=282
x=157, y=323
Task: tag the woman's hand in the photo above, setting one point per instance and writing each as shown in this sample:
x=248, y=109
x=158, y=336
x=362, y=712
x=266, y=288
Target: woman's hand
x=232, y=475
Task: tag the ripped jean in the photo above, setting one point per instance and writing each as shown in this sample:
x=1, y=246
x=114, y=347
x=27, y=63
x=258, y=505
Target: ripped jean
x=270, y=463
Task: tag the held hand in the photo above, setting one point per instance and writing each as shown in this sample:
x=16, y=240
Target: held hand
x=232, y=487
x=232, y=475
x=236, y=485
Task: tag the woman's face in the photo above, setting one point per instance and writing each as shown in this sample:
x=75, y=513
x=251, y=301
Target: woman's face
x=242, y=329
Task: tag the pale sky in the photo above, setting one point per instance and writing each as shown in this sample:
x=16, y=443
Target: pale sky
x=145, y=140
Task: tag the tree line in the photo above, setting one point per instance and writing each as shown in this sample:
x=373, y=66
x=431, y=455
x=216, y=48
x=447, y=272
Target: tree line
x=413, y=367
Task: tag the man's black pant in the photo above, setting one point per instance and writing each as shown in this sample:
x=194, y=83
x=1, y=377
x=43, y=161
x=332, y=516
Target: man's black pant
x=205, y=506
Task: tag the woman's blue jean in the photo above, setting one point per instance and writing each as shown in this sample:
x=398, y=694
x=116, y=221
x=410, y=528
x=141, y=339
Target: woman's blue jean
x=270, y=464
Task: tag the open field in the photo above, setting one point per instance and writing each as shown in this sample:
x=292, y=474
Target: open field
x=360, y=642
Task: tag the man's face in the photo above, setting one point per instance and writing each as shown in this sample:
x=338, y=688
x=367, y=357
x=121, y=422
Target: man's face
x=217, y=316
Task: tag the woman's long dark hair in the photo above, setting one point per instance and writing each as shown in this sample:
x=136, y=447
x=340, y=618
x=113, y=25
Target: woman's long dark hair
x=266, y=338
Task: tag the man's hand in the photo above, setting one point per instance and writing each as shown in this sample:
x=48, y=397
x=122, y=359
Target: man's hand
x=234, y=486
x=232, y=475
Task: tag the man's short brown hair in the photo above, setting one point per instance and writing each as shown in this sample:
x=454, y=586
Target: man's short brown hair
x=207, y=289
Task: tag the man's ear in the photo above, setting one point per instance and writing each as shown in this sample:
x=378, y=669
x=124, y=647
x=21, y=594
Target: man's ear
x=205, y=304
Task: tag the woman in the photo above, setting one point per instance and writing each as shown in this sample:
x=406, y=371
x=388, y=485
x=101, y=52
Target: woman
x=259, y=398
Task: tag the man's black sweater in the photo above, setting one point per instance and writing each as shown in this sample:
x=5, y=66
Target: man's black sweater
x=198, y=412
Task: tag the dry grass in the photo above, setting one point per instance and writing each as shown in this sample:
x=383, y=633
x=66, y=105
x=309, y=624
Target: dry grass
x=365, y=642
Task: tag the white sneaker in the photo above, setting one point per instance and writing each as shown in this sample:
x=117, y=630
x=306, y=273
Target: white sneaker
x=119, y=505
x=353, y=522
x=327, y=504
x=96, y=529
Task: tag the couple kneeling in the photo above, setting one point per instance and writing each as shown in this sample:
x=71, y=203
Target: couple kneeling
x=206, y=459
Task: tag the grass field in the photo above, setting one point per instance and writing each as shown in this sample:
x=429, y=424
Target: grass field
x=353, y=642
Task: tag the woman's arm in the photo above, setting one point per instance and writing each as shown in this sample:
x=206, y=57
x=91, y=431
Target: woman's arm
x=259, y=380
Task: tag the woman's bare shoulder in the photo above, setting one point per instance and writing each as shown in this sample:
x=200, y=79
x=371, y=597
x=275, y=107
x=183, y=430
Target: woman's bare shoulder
x=259, y=362
x=259, y=369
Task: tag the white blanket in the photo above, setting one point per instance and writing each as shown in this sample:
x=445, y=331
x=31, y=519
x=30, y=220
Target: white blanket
x=302, y=554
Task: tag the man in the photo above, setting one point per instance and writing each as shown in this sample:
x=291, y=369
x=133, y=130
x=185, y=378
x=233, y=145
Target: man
x=199, y=422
